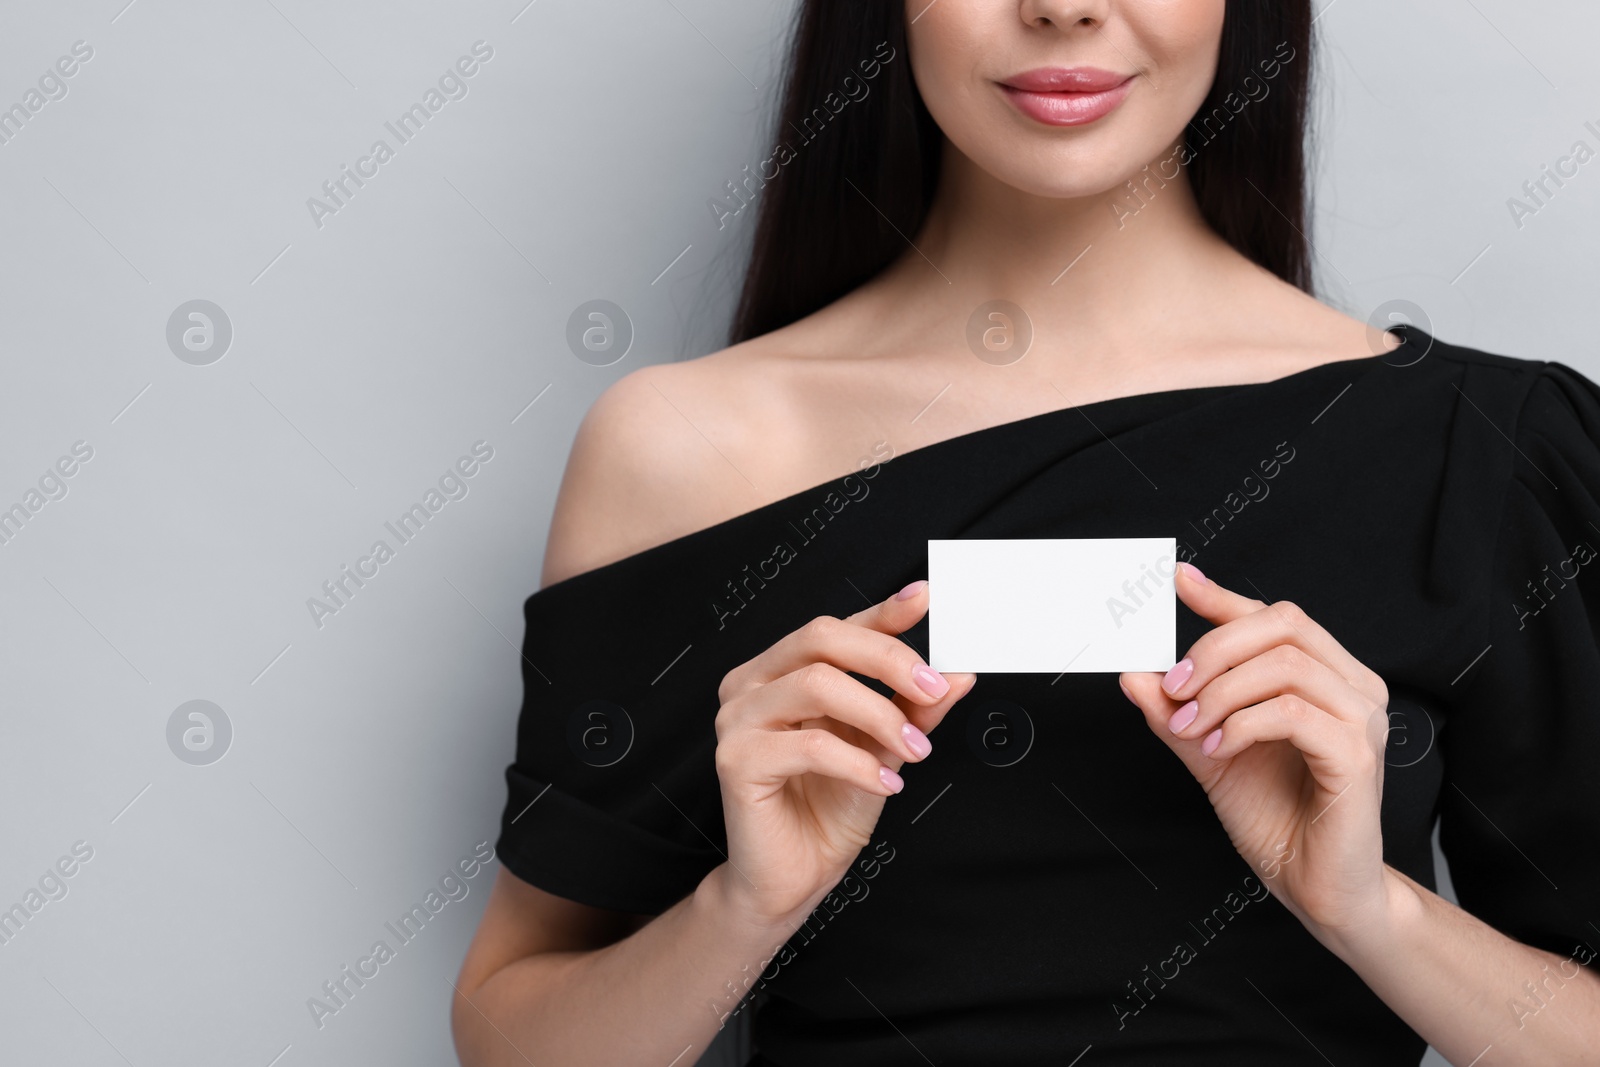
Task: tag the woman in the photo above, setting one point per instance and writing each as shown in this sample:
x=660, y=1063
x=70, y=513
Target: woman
x=725, y=792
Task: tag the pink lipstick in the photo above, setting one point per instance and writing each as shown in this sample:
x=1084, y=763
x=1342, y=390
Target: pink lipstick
x=1067, y=96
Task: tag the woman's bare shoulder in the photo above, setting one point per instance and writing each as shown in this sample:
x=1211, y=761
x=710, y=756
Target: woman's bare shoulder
x=669, y=449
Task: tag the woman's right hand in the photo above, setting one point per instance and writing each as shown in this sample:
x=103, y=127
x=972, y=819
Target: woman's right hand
x=807, y=754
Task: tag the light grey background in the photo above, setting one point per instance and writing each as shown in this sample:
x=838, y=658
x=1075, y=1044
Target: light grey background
x=369, y=354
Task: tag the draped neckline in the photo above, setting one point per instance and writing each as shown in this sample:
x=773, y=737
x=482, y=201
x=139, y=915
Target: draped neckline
x=1411, y=337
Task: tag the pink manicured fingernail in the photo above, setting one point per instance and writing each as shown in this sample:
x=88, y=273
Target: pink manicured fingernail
x=916, y=740
x=1125, y=692
x=1183, y=717
x=1179, y=674
x=911, y=590
x=931, y=681
x=890, y=779
x=1193, y=572
x=1213, y=739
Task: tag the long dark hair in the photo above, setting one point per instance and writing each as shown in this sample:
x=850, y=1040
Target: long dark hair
x=860, y=140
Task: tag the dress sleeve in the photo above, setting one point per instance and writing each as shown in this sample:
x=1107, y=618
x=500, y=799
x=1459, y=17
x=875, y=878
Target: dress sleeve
x=613, y=799
x=1520, y=803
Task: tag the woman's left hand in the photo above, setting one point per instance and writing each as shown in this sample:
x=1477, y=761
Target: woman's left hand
x=1285, y=731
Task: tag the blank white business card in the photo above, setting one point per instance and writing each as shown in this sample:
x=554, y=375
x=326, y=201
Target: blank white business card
x=1051, y=605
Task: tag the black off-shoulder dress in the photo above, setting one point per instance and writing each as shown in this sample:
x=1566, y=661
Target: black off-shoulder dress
x=1052, y=880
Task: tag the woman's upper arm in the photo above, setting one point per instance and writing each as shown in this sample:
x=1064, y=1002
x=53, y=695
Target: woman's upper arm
x=605, y=497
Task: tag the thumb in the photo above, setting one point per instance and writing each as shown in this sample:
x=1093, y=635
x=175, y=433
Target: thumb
x=896, y=614
x=1212, y=602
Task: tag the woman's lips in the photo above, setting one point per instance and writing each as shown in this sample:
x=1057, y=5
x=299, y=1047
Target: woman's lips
x=1066, y=107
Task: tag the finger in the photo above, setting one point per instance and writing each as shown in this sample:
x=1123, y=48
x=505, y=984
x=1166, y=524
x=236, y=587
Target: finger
x=1144, y=690
x=773, y=757
x=1242, y=636
x=1334, y=752
x=1285, y=669
x=822, y=691
x=928, y=718
x=856, y=643
x=1330, y=748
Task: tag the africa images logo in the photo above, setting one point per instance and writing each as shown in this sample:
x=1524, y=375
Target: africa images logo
x=453, y=484
x=337, y=192
x=453, y=887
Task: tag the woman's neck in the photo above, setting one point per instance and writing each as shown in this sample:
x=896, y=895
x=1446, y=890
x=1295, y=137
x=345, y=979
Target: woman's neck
x=1094, y=274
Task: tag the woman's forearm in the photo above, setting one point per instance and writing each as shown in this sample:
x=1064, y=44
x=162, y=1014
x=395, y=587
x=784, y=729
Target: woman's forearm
x=656, y=997
x=1478, y=997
